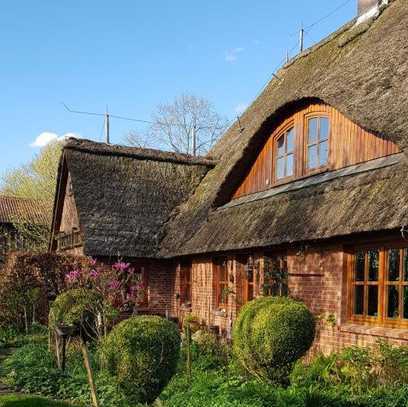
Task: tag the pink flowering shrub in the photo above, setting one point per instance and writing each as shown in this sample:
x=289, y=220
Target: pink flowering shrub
x=121, y=285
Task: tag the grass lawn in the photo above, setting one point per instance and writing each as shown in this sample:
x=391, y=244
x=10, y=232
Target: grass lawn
x=29, y=401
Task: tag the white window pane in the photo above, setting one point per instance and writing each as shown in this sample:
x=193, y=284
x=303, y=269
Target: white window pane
x=324, y=152
x=312, y=130
x=324, y=128
x=312, y=157
x=290, y=141
x=280, y=168
x=281, y=146
x=289, y=165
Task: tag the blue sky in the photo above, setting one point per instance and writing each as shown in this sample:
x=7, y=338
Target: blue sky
x=134, y=54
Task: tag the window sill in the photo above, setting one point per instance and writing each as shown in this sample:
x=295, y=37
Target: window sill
x=379, y=331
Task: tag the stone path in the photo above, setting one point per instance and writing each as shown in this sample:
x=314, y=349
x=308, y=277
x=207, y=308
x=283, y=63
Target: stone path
x=4, y=353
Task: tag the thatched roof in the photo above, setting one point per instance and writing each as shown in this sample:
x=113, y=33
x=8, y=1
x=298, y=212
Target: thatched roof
x=362, y=71
x=125, y=195
x=15, y=210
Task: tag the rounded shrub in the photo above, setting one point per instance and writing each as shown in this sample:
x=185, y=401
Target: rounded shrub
x=77, y=307
x=270, y=334
x=142, y=353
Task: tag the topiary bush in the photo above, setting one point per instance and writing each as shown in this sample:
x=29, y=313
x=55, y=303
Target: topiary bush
x=78, y=307
x=142, y=352
x=270, y=334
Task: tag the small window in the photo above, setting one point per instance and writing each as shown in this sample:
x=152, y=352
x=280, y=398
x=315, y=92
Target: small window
x=185, y=282
x=221, y=283
x=275, y=276
x=317, y=142
x=285, y=148
x=248, y=274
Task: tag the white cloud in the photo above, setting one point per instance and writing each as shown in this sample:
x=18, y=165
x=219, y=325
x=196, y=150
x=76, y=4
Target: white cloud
x=231, y=55
x=47, y=137
x=240, y=108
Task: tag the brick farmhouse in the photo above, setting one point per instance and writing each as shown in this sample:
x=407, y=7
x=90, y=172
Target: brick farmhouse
x=307, y=194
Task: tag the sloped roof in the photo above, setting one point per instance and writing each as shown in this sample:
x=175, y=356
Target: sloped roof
x=362, y=71
x=125, y=195
x=13, y=209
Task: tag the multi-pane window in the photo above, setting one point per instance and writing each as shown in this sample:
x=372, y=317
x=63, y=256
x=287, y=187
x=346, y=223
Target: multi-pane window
x=379, y=284
x=220, y=268
x=317, y=143
x=285, y=153
x=185, y=282
x=247, y=277
x=275, y=275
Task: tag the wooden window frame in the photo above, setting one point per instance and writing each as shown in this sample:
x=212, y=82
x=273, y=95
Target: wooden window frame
x=283, y=132
x=220, y=284
x=305, y=161
x=242, y=262
x=185, y=282
x=280, y=280
x=383, y=283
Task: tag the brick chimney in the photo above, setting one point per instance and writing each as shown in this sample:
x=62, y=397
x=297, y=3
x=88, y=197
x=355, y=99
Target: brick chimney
x=369, y=8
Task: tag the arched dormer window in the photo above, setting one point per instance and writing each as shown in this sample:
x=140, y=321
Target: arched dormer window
x=311, y=139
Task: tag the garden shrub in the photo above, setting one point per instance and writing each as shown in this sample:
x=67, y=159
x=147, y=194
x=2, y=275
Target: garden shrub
x=32, y=369
x=78, y=307
x=270, y=334
x=208, y=351
x=361, y=369
x=28, y=282
x=142, y=352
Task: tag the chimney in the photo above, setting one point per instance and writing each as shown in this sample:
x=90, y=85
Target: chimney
x=369, y=9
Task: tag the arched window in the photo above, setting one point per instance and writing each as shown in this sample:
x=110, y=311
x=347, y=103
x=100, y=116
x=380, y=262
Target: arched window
x=310, y=139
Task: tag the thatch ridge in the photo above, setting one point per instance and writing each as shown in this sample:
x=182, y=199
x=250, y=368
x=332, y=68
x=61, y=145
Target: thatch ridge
x=136, y=152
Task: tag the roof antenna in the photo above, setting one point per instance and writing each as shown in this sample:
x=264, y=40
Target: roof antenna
x=107, y=134
x=107, y=116
x=302, y=38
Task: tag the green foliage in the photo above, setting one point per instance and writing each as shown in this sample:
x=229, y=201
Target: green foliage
x=32, y=369
x=359, y=369
x=216, y=389
x=142, y=352
x=27, y=283
x=208, y=351
x=29, y=401
x=35, y=180
x=270, y=334
x=78, y=307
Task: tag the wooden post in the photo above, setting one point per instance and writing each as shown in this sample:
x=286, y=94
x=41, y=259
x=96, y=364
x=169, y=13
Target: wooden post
x=88, y=367
x=188, y=344
x=57, y=351
x=64, y=345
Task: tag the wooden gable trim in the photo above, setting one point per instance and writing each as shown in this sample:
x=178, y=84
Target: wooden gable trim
x=58, y=202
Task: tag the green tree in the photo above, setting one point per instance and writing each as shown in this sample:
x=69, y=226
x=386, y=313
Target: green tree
x=35, y=180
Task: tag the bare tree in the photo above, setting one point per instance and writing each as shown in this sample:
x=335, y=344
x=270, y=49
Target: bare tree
x=188, y=125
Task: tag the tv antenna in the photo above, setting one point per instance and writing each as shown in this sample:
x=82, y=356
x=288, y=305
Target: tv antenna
x=107, y=116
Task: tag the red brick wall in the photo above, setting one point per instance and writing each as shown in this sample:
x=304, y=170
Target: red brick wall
x=316, y=276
